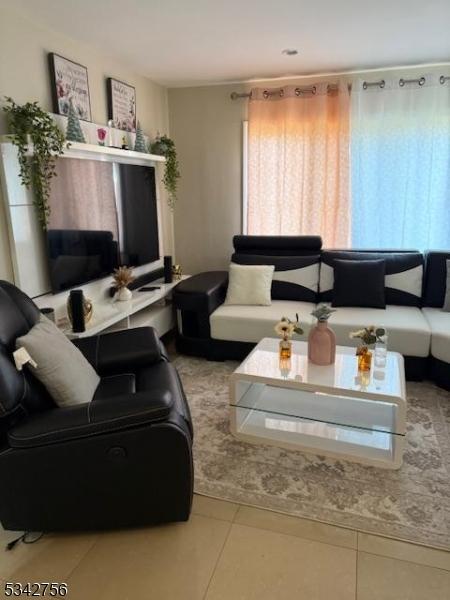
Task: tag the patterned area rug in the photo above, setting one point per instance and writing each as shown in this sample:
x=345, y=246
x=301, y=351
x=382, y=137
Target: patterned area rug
x=412, y=503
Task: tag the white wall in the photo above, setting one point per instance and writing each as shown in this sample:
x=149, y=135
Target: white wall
x=207, y=128
x=24, y=76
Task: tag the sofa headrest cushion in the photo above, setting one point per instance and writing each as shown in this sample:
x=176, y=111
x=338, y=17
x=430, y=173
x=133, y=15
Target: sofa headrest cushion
x=277, y=245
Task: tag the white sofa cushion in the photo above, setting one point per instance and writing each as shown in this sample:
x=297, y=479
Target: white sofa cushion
x=252, y=323
x=249, y=285
x=407, y=328
x=439, y=322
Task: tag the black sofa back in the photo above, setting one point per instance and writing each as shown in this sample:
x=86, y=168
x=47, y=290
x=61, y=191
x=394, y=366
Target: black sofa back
x=296, y=260
x=404, y=273
x=435, y=277
x=20, y=392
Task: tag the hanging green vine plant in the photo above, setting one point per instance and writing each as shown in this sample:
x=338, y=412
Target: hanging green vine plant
x=164, y=146
x=36, y=169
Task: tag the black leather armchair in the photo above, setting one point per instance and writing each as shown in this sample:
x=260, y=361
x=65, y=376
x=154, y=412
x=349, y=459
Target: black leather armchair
x=124, y=459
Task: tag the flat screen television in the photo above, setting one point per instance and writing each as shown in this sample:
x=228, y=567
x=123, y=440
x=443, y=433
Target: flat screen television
x=102, y=215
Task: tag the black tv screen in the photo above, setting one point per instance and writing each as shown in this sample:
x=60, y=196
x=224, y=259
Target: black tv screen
x=102, y=215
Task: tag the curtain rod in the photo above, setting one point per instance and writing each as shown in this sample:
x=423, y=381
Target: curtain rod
x=311, y=89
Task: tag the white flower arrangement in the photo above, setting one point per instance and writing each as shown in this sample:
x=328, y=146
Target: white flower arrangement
x=369, y=335
x=286, y=328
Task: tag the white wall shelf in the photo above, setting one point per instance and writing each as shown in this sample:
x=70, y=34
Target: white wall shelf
x=102, y=153
x=144, y=308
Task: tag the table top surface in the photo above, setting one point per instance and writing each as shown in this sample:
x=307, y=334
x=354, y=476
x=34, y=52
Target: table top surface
x=263, y=364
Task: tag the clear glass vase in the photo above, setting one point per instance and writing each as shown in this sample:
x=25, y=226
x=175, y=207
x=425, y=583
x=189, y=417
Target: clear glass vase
x=381, y=352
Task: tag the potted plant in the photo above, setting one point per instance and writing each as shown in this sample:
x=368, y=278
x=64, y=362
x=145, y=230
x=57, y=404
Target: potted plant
x=123, y=276
x=368, y=336
x=286, y=329
x=322, y=339
x=164, y=146
x=29, y=123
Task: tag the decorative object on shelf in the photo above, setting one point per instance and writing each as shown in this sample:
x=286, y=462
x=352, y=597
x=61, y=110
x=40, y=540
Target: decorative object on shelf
x=168, y=269
x=123, y=276
x=164, y=146
x=177, y=272
x=368, y=336
x=74, y=133
x=30, y=122
x=286, y=329
x=101, y=135
x=79, y=310
x=69, y=84
x=140, y=144
x=124, y=143
x=322, y=339
x=110, y=142
x=121, y=104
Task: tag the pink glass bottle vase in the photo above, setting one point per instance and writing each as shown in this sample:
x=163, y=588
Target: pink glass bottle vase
x=322, y=344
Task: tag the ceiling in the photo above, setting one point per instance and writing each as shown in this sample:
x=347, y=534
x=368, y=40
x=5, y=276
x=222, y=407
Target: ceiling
x=195, y=42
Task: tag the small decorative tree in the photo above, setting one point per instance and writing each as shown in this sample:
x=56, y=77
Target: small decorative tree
x=74, y=132
x=139, y=143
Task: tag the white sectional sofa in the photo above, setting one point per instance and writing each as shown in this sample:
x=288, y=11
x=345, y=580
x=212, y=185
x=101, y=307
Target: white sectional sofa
x=210, y=328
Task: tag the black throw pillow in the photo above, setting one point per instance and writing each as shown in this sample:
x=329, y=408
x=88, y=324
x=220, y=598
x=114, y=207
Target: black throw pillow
x=359, y=283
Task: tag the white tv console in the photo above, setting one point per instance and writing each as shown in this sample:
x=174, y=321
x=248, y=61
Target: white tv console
x=152, y=309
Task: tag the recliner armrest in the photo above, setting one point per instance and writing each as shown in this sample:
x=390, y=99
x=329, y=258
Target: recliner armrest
x=122, y=351
x=93, y=418
x=201, y=293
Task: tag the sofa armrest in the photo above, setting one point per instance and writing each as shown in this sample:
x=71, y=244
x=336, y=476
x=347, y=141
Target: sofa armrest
x=122, y=351
x=93, y=418
x=196, y=298
x=202, y=293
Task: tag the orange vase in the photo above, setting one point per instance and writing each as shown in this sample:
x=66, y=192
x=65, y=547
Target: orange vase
x=364, y=358
x=322, y=344
x=285, y=348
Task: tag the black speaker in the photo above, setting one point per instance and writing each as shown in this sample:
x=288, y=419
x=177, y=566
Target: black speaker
x=167, y=269
x=76, y=301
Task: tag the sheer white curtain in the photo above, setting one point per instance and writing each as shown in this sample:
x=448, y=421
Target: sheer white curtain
x=298, y=162
x=400, y=164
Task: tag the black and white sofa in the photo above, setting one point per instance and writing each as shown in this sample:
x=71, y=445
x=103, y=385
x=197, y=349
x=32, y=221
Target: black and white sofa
x=303, y=277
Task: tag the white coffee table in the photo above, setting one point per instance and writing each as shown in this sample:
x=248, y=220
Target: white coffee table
x=332, y=410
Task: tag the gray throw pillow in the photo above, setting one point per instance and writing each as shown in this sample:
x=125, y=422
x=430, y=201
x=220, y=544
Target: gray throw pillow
x=67, y=375
x=446, y=306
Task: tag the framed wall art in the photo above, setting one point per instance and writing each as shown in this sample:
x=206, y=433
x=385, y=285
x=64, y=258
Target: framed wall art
x=121, y=104
x=70, y=83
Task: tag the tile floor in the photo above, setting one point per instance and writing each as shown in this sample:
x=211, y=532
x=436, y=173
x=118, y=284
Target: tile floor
x=231, y=552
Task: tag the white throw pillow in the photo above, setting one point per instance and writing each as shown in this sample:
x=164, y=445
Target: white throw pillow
x=446, y=306
x=65, y=372
x=250, y=285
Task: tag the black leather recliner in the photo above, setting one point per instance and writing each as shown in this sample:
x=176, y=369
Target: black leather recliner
x=124, y=459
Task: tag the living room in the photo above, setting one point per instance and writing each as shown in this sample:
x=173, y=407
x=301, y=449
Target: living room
x=225, y=300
